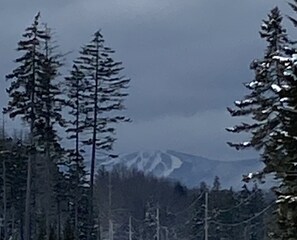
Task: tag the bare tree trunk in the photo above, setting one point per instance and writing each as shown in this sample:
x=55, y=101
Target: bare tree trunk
x=4, y=199
x=47, y=145
x=109, y=208
x=94, y=141
x=4, y=185
x=76, y=219
x=27, y=232
x=31, y=147
x=99, y=228
x=76, y=233
x=28, y=199
x=58, y=220
x=13, y=220
x=47, y=193
x=21, y=227
x=93, y=158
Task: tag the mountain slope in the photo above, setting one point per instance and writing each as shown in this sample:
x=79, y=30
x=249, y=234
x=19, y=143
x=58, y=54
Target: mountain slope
x=188, y=169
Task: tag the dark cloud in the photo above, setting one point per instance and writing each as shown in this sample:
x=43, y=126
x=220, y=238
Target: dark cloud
x=187, y=61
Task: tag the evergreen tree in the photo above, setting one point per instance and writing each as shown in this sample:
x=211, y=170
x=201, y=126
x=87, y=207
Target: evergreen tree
x=265, y=104
x=261, y=103
x=104, y=94
x=23, y=96
x=256, y=205
x=216, y=184
x=13, y=167
x=49, y=115
x=149, y=229
x=68, y=231
x=76, y=169
x=35, y=96
x=283, y=152
x=197, y=220
x=282, y=155
x=221, y=203
x=17, y=165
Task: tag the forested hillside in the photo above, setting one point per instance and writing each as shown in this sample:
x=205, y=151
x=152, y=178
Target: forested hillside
x=143, y=206
x=129, y=205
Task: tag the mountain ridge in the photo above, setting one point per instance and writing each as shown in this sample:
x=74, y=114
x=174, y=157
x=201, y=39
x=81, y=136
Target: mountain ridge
x=186, y=168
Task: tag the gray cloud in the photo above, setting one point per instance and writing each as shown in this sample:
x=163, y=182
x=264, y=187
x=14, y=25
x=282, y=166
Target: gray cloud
x=202, y=133
x=187, y=61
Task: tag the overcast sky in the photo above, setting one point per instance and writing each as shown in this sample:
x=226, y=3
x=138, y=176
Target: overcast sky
x=187, y=60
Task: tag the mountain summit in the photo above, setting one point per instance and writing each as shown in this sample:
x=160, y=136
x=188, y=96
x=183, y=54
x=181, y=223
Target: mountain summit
x=189, y=169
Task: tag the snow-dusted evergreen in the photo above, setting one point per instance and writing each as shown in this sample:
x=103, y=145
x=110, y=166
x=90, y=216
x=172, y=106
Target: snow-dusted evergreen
x=260, y=104
x=283, y=154
x=272, y=105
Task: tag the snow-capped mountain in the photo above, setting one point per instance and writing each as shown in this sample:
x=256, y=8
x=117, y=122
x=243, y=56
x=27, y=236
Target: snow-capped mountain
x=188, y=169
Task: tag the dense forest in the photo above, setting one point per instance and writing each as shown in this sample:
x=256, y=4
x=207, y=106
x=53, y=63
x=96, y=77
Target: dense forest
x=70, y=118
x=129, y=205
x=142, y=207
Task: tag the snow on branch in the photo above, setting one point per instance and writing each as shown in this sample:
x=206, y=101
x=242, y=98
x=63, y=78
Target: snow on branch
x=252, y=176
x=282, y=59
x=286, y=198
x=243, y=127
x=253, y=84
x=244, y=102
x=240, y=112
x=240, y=146
x=276, y=88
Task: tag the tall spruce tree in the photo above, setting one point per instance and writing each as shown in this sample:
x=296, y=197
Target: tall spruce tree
x=282, y=154
x=270, y=104
x=49, y=115
x=23, y=96
x=285, y=139
x=104, y=94
x=77, y=174
x=260, y=103
x=34, y=95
